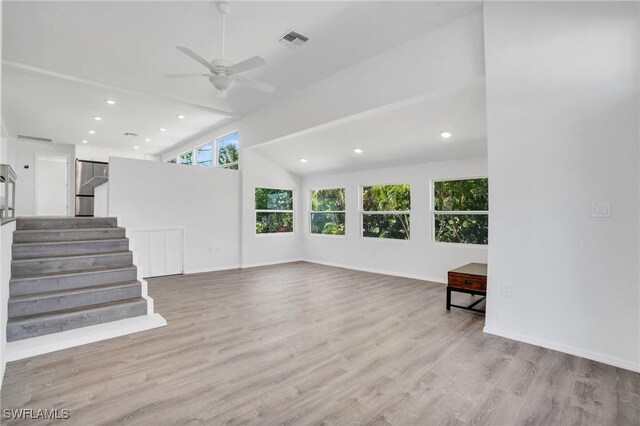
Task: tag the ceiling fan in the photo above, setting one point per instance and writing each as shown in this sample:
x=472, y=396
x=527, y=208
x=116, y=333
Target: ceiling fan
x=222, y=74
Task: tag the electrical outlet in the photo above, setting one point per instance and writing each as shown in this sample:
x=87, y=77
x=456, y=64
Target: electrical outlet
x=506, y=289
x=601, y=210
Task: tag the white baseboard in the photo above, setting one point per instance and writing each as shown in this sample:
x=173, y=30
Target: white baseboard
x=81, y=336
x=583, y=353
x=378, y=271
x=277, y=262
x=216, y=269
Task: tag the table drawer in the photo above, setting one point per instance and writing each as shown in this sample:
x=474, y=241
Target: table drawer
x=469, y=282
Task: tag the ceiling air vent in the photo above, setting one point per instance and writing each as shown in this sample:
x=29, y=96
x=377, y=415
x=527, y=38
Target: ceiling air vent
x=135, y=135
x=34, y=139
x=293, y=39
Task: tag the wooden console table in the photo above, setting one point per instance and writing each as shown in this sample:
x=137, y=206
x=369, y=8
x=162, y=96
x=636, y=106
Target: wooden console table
x=470, y=279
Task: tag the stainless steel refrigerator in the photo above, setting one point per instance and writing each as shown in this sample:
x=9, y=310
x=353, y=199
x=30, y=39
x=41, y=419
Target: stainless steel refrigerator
x=85, y=171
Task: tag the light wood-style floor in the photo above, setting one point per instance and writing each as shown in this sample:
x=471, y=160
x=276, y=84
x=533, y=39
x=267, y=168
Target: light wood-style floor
x=300, y=344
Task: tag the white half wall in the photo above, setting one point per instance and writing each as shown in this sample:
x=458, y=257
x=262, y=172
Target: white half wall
x=420, y=257
x=563, y=133
x=6, y=239
x=150, y=195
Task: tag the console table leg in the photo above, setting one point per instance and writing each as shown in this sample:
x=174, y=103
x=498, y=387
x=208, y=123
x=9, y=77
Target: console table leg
x=448, y=299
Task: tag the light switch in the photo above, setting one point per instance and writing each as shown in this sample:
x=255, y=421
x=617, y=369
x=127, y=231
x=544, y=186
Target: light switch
x=601, y=210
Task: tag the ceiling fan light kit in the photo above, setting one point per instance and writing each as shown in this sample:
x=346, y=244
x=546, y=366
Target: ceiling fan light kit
x=222, y=74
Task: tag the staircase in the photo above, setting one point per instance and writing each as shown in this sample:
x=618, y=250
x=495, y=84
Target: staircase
x=68, y=273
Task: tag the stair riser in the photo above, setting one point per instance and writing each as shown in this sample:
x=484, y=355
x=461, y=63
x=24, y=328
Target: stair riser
x=58, y=303
x=65, y=223
x=66, y=249
x=43, y=266
x=40, y=327
x=23, y=287
x=52, y=236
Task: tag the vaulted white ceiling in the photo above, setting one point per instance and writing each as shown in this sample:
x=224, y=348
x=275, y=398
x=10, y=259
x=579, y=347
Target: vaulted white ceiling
x=405, y=133
x=129, y=46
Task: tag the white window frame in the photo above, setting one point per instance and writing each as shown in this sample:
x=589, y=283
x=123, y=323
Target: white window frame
x=215, y=154
x=390, y=212
x=453, y=213
x=195, y=154
x=312, y=212
x=292, y=211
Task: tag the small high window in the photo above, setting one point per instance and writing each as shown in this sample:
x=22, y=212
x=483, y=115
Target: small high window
x=386, y=211
x=328, y=211
x=461, y=211
x=227, y=151
x=204, y=155
x=274, y=210
x=186, y=158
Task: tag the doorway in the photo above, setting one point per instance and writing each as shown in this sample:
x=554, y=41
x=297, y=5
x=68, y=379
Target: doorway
x=52, y=184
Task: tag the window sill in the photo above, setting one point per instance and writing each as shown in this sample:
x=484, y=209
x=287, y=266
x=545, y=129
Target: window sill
x=311, y=234
x=397, y=240
x=275, y=234
x=476, y=246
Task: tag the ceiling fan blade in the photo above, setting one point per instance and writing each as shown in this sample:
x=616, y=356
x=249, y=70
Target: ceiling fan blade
x=193, y=55
x=249, y=64
x=185, y=75
x=258, y=85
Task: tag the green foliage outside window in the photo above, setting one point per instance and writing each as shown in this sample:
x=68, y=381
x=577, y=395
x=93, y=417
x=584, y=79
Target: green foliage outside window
x=327, y=211
x=186, y=158
x=273, y=223
x=455, y=197
x=394, y=199
x=278, y=220
x=228, y=151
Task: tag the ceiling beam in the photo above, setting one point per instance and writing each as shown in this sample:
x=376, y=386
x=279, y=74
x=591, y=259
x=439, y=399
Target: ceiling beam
x=51, y=74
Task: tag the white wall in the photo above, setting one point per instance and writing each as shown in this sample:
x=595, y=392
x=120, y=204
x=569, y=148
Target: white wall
x=563, y=133
x=93, y=153
x=24, y=153
x=420, y=257
x=259, y=172
x=206, y=202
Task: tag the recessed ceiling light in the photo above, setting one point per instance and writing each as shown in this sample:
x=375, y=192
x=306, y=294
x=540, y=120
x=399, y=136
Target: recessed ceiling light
x=357, y=150
x=147, y=140
x=180, y=116
x=162, y=129
x=97, y=118
x=136, y=147
x=303, y=160
x=445, y=135
x=110, y=102
x=93, y=132
x=85, y=141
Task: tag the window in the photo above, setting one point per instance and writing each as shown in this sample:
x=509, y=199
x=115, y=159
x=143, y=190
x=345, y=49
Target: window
x=461, y=211
x=204, y=155
x=173, y=160
x=327, y=211
x=274, y=210
x=227, y=151
x=386, y=211
x=186, y=158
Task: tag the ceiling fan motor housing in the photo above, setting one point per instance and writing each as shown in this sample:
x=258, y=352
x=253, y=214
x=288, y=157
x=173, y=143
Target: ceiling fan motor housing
x=221, y=82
